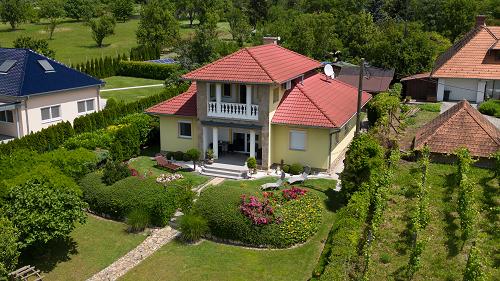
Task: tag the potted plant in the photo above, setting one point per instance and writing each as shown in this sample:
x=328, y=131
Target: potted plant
x=252, y=165
x=210, y=156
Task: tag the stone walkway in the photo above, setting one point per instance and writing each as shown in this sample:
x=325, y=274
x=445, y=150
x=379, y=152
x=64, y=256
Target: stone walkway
x=155, y=241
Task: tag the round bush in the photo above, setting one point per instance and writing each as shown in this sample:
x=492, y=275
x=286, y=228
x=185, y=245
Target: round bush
x=137, y=220
x=192, y=227
x=286, y=168
x=251, y=163
x=298, y=219
x=114, y=171
x=491, y=107
x=296, y=169
x=179, y=156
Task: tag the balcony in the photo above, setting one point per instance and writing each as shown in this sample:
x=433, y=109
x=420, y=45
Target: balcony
x=233, y=110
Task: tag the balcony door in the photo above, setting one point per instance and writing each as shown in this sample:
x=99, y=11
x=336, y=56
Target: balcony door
x=243, y=94
x=241, y=142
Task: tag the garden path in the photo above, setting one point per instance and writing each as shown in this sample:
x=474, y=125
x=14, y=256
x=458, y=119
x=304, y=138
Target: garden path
x=154, y=242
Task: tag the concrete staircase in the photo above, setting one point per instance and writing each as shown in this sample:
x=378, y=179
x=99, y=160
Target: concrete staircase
x=224, y=171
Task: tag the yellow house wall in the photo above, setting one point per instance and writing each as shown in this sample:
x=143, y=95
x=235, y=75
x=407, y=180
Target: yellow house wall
x=169, y=134
x=317, y=147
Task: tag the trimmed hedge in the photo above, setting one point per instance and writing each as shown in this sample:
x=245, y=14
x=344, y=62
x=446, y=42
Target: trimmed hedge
x=124, y=196
x=149, y=70
x=220, y=206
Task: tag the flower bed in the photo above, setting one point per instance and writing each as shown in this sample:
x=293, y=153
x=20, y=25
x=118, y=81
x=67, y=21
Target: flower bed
x=266, y=219
x=166, y=178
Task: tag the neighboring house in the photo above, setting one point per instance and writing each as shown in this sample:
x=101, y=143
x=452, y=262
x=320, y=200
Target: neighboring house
x=469, y=70
x=265, y=101
x=36, y=92
x=375, y=80
x=460, y=126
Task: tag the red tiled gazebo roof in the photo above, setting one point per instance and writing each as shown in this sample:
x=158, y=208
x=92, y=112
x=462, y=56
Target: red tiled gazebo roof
x=460, y=126
x=319, y=102
x=183, y=104
x=260, y=64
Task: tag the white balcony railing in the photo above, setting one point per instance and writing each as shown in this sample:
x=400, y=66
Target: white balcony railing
x=233, y=110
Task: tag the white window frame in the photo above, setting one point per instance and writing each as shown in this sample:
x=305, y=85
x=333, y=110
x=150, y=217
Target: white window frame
x=51, y=119
x=179, y=129
x=86, y=109
x=290, y=133
x=6, y=121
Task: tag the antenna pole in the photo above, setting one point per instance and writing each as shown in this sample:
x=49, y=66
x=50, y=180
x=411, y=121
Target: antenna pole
x=360, y=95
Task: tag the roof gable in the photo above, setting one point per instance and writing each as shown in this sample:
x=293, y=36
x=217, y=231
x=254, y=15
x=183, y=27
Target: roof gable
x=469, y=57
x=28, y=77
x=261, y=64
x=319, y=102
x=183, y=104
x=460, y=126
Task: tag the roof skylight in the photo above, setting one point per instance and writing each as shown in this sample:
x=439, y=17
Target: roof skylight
x=46, y=66
x=6, y=66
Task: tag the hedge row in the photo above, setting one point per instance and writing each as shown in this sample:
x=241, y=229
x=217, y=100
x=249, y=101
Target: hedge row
x=149, y=70
x=342, y=244
x=143, y=53
x=133, y=193
x=100, y=67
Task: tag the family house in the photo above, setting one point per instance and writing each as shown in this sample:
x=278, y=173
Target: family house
x=265, y=102
x=469, y=70
x=36, y=92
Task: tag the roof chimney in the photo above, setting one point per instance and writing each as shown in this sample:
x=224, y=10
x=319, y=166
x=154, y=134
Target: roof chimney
x=480, y=20
x=271, y=40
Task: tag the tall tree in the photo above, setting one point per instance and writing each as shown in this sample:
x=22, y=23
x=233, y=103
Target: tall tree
x=53, y=11
x=187, y=8
x=38, y=45
x=158, y=27
x=80, y=9
x=258, y=10
x=458, y=17
x=238, y=23
x=101, y=28
x=15, y=12
x=122, y=9
x=208, y=8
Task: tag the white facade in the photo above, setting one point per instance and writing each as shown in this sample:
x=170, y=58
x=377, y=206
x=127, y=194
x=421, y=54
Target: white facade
x=473, y=90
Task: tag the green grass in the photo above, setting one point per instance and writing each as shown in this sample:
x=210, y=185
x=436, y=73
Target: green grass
x=443, y=257
x=131, y=94
x=431, y=107
x=213, y=261
x=413, y=123
x=145, y=166
x=93, y=246
x=73, y=43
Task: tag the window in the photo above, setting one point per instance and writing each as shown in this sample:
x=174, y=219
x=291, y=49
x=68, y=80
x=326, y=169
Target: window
x=243, y=93
x=226, y=90
x=85, y=106
x=6, y=66
x=46, y=66
x=184, y=129
x=276, y=95
x=212, y=92
x=51, y=113
x=7, y=116
x=298, y=140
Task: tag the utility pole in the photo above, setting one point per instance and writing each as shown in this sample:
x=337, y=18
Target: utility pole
x=360, y=95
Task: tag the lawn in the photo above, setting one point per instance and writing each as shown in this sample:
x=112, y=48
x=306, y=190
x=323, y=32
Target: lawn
x=93, y=246
x=146, y=166
x=413, y=123
x=73, y=43
x=443, y=257
x=131, y=94
x=213, y=261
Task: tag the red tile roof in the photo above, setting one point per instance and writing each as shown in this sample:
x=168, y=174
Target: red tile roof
x=424, y=75
x=460, y=126
x=260, y=64
x=319, y=102
x=469, y=57
x=183, y=104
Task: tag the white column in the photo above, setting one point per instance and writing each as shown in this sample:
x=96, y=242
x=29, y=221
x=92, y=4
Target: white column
x=252, y=143
x=205, y=141
x=481, y=87
x=218, y=96
x=215, y=141
x=18, y=122
x=249, y=99
x=440, y=89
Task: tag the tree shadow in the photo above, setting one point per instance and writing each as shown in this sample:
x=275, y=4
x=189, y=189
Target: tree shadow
x=94, y=46
x=46, y=257
x=453, y=241
x=400, y=274
x=11, y=30
x=334, y=200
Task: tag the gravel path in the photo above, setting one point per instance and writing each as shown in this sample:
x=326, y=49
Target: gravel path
x=155, y=241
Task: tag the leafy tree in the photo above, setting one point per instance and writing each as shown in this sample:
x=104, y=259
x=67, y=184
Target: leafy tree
x=208, y=8
x=122, y=9
x=9, y=252
x=474, y=267
x=380, y=107
x=38, y=45
x=15, y=12
x=258, y=11
x=458, y=17
x=188, y=8
x=44, y=205
x=102, y=27
x=358, y=34
x=53, y=11
x=157, y=27
x=194, y=155
x=80, y=9
x=203, y=45
x=238, y=22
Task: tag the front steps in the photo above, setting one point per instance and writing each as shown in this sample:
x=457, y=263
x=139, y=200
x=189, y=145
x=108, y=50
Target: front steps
x=224, y=171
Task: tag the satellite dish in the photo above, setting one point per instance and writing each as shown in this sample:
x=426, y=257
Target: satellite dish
x=329, y=71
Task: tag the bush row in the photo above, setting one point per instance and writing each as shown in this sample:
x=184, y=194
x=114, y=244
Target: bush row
x=149, y=70
x=143, y=53
x=133, y=193
x=299, y=219
x=101, y=67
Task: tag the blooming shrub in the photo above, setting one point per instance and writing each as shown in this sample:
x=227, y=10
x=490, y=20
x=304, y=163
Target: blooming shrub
x=259, y=212
x=293, y=193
